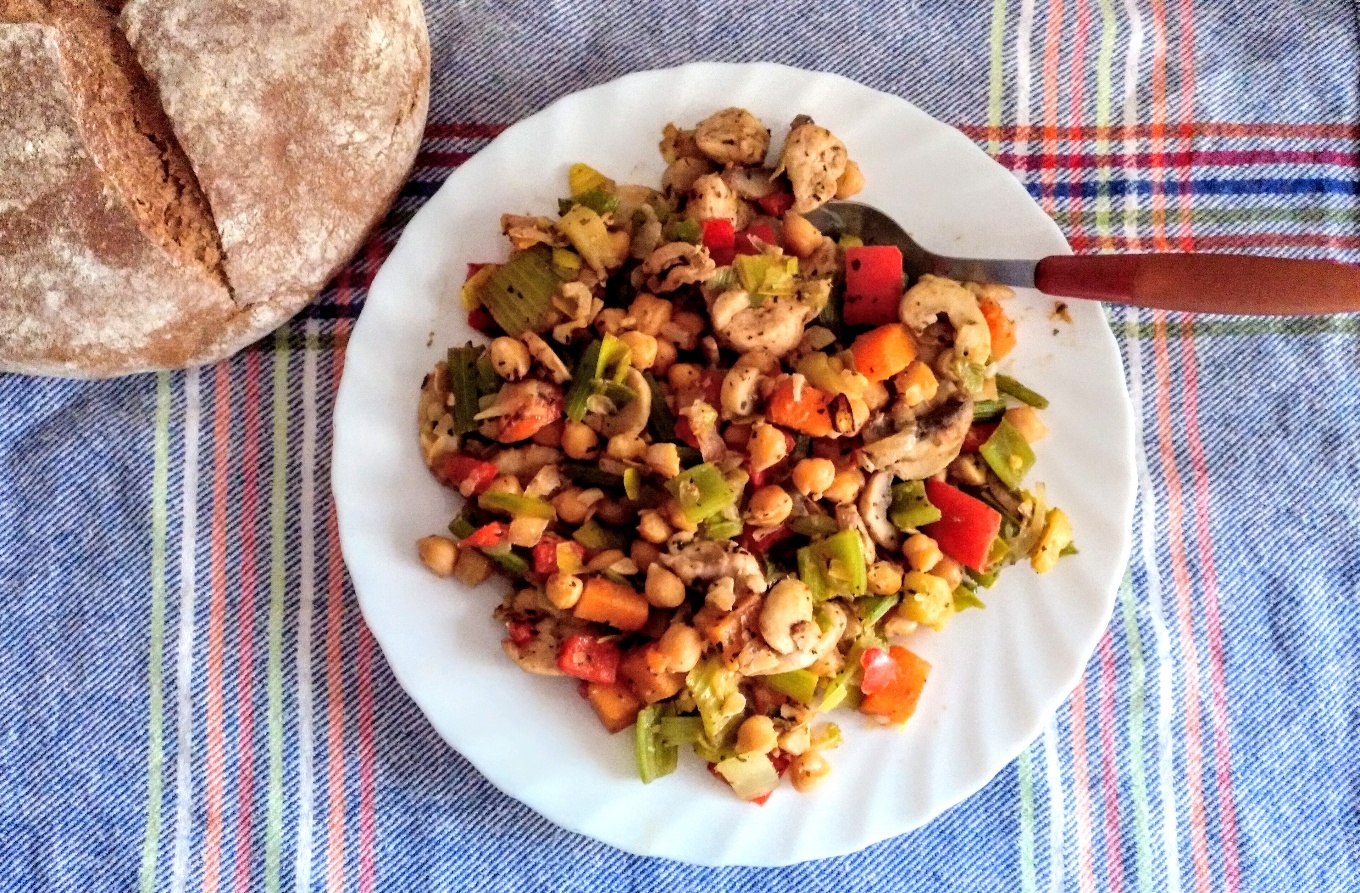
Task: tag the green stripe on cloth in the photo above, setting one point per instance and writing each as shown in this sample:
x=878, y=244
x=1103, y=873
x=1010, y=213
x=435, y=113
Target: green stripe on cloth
x=1026, y=773
x=1137, y=714
x=160, y=476
x=278, y=500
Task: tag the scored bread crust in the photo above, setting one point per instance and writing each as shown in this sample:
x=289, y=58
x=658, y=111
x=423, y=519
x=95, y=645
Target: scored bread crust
x=299, y=125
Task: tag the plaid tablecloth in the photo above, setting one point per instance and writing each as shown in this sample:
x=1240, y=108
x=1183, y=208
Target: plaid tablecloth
x=189, y=701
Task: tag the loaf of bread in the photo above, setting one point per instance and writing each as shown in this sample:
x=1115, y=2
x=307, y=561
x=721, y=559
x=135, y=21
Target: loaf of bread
x=180, y=177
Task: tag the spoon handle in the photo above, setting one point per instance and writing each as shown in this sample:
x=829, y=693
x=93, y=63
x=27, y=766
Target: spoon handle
x=1205, y=283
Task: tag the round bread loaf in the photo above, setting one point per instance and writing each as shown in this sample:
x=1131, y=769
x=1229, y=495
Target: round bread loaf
x=180, y=177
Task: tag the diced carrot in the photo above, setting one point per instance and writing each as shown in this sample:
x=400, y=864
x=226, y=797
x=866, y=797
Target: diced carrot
x=604, y=601
x=615, y=704
x=805, y=413
x=1001, y=327
x=896, y=701
x=643, y=669
x=883, y=352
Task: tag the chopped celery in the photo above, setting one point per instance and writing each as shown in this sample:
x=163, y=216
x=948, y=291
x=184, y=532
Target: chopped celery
x=511, y=563
x=677, y=730
x=827, y=737
x=613, y=361
x=711, y=686
x=1007, y=385
x=655, y=757
x=461, y=527
x=722, y=528
x=849, y=241
x=462, y=369
x=965, y=598
x=751, y=775
x=766, y=274
x=722, y=279
x=588, y=235
x=519, y=294
x=579, y=392
x=985, y=579
x=986, y=410
x=488, y=382
x=472, y=288
x=701, y=491
x=517, y=504
x=599, y=201
x=801, y=685
x=1069, y=549
x=593, y=536
x=997, y=552
x=591, y=476
x=834, y=566
x=661, y=424
x=618, y=394
x=684, y=231
x=632, y=483
x=582, y=178
x=873, y=609
x=911, y=507
x=842, y=690
x=1008, y=454
x=813, y=526
x=566, y=263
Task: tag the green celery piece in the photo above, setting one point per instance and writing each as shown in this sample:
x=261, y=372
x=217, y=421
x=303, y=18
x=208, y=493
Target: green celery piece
x=620, y=395
x=488, y=382
x=1007, y=385
x=911, y=507
x=875, y=608
x=684, y=231
x=701, y=491
x=462, y=369
x=750, y=775
x=710, y=685
x=1069, y=549
x=677, y=730
x=765, y=274
x=843, y=689
x=632, y=483
x=613, y=361
x=574, y=405
x=1008, y=454
x=661, y=424
x=711, y=752
x=813, y=526
x=518, y=505
x=655, y=758
x=986, y=410
x=828, y=737
x=600, y=201
x=722, y=279
x=834, y=566
x=519, y=294
x=591, y=476
x=722, y=528
x=965, y=598
x=800, y=685
x=593, y=536
x=813, y=574
x=461, y=527
x=511, y=563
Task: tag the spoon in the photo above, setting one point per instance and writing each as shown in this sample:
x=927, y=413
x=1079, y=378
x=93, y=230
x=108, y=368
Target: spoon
x=1192, y=283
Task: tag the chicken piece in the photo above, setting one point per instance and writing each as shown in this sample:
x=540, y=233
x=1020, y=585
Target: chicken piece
x=710, y=198
x=814, y=159
x=526, y=232
x=733, y=136
x=676, y=264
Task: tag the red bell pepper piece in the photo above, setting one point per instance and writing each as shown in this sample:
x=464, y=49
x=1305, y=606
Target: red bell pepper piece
x=712, y=381
x=977, y=436
x=873, y=284
x=471, y=476
x=879, y=670
x=545, y=553
x=720, y=239
x=762, y=231
x=966, y=528
x=758, y=542
x=481, y=320
x=685, y=431
x=521, y=633
x=776, y=203
x=896, y=701
x=497, y=533
x=588, y=658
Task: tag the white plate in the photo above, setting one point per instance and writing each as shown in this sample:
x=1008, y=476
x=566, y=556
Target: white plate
x=998, y=673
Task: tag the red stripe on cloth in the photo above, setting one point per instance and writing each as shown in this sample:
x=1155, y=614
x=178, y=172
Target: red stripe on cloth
x=1184, y=128
x=1218, y=686
x=1081, y=790
x=463, y=130
x=1083, y=27
x=1157, y=131
x=367, y=802
x=1200, y=129
x=440, y=159
x=1048, y=145
x=1109, y=769
x=214, y=788
x=1078, y=161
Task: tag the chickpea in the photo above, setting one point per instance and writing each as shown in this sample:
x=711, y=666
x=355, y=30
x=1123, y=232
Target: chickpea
x=666, y=355
x=670, y=509
x=574, y=505
x=625, y=447
x=813, y=476
x=769, y=506
x=564, y=591
x=642, y=347
x=526, y=532
x=664, y=459
x=652, y=527
x=684, y=329
x=876, y=396
x=950, y=571
x=807, y=771
x=756, y=735
x=801, y=237
x=610, y=320
x=438, y=553
x=922, y=552
x=650, y=313
x=684, y=376
x=767, y=447
x=509, y=357
x=851, y=181
x=614, y=512
x=663, y=589
x=681, y=648
x=643, y=554
x=795, y=740
x=506, y=483
x=845, y=486
x=734, y=703
x=473, y=567
x=578, y=441
x=884, y=578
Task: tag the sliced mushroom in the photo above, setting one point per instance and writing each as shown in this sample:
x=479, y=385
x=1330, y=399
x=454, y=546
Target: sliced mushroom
x=546, y=357
x=712, y=560
x=874, y=503
x=757, y=658
x=630, y=420
x=750, y=183
x=926, y=445
x=675, y=264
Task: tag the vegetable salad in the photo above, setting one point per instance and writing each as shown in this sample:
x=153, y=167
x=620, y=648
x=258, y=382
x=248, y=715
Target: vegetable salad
x=730, y=464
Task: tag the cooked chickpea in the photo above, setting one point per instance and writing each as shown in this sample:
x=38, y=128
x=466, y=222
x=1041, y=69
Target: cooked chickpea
x=684, y=329
x=769, y=506
x=652, y=527
x=509, y=357
x=922, y=552
x=795, y=740
x=801, y=237
x=845, y=486
x=613, y=511
x=734, y=703
x=664, y=459
x=610, y=320
x=884, y=578
x=876, y=396
x=526, y=531
x=438, y=553
x=643, y=554
x=506, y=483
x=807, y=771
x=851, y=181
x=473, y=567
x=767, y=447
x=756, y=735
x=950, y=571
x=671, y=511
x=684, y=376
x=564, y=591
x=578, y=441
x=642, y=348
x=663, y=589
x=666, y=355
x=681, y=648
x=1026, y=420
x=625, y=447
x=650, y=313
x=813, y=476
x=573, y=505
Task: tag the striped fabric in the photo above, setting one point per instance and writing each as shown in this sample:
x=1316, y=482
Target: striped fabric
x=189, y=700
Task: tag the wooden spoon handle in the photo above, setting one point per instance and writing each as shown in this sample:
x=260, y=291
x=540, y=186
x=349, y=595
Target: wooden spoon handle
x=1205, y=283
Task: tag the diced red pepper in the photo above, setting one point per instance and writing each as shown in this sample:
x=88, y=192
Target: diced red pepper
x=758, y=541
x=762, y=231
x=977, y=436
x=588, y=658
x=873, y=284
x=776, y=203
x=545, y=553
x=685, y=431
x=521, y=633
x=482, y=321
x=712, y=381
x=470, y=476
x=494, y=534
x=966, y=528
x=720, y=239
x=879, y=670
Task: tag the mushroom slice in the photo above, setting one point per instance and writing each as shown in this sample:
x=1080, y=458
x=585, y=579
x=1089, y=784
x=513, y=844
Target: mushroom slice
x=926, y=445
x=874, y=503
x=631, y=419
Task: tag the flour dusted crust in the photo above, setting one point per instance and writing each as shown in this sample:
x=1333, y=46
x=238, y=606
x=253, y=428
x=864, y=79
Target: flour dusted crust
x=300, y=121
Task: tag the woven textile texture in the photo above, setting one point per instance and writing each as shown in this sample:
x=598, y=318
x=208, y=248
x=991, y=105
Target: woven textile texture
x=189, y=701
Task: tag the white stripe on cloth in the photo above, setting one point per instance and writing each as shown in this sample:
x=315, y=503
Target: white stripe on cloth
x=1147, y=541
x=184, y=652
x=1022, y=64
x=1130, y=115
x=302, y=870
